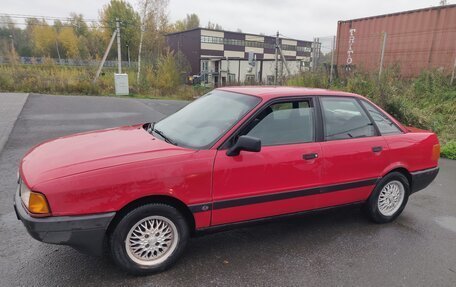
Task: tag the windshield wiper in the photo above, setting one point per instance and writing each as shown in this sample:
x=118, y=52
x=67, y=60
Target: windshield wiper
x=150, y=127
x=167, y=139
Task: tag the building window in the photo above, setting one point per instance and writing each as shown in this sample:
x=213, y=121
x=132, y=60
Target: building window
x=204, y=66
x=303, y=49
x=255, y=44
x=231, y=78
x=250, y=79
x=289, y=47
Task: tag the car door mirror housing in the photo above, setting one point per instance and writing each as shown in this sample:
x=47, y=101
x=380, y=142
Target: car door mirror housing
x=245, y=143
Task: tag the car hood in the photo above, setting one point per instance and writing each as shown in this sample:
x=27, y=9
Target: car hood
x=89, y=151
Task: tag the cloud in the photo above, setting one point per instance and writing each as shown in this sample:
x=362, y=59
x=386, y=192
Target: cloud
x=296, y=19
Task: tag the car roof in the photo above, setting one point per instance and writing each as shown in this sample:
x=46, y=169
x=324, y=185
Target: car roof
x=271, y=92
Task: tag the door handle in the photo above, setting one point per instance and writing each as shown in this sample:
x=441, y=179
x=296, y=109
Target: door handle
x=377, y=149
x=309, y=156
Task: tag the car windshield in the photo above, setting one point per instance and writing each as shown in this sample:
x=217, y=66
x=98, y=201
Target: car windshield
x=201, y=123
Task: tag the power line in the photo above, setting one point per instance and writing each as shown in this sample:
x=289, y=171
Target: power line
x=47, y=25
x=43, y=17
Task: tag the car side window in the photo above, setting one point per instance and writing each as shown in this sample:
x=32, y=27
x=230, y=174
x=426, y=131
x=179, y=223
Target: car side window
x=345, y=119
x=283, y=123
x=384, y=124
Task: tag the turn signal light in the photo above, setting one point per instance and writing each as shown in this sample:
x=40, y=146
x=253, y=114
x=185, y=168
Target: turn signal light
x=38, y=204
x=436, y=152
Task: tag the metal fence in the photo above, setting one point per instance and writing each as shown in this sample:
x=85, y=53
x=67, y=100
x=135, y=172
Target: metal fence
x=66, y=62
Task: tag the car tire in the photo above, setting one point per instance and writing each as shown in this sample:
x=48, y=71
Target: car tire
x=388, y=199
x=149, y=239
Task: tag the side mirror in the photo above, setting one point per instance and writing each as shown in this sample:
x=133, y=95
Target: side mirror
x=244, y=143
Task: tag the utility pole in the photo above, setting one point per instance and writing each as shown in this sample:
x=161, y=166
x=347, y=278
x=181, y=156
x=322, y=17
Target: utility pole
x=141, y=41
x=314, y=54
x=105, y=56
x=128, y=54
x=331, y=71
x=58, y=51
x=452, y=74
x=119, y=54
x=276, y=59
x=12, y=44
x=256, y=69
x=284, y=62
x=382, y=55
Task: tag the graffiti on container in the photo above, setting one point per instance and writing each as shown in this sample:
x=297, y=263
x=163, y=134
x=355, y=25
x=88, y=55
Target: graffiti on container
x=351, y=41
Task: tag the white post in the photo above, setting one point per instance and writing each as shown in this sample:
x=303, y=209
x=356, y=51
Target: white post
x=139, y=53
x=119, y=54
x=382, y=55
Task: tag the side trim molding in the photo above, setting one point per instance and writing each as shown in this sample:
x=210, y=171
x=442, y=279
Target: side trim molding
x=229, y=226
x=280, y=195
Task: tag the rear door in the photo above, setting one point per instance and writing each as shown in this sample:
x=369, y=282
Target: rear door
x=279, y=179
x=355, y=154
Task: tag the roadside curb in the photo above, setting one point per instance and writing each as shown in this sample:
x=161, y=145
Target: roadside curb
x=11, y=105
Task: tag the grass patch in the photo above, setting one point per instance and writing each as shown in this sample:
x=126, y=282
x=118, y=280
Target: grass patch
x=54, y=79
x=449, y=150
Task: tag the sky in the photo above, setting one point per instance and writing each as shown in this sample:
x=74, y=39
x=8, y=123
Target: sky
x=296, y=19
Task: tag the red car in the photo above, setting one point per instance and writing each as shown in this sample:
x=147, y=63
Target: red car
x=233, y=156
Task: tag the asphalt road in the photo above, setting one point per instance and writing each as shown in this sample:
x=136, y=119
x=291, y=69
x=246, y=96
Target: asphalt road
x=335, y=248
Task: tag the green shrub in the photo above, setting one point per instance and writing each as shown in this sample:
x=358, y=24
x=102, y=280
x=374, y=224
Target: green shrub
x=449, y=150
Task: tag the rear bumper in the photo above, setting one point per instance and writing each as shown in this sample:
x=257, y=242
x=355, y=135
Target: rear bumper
x=421, y=179
x=84, y=233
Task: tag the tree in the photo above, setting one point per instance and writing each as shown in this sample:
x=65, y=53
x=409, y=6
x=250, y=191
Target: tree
x=80, y=27
x=95, y=43
x=130, y=25
x=8, y=37
x=69, y=42
x=44, y=38
x=213, y=26
x=191, y=21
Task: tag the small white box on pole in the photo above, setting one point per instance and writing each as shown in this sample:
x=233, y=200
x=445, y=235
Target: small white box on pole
x=121, y=84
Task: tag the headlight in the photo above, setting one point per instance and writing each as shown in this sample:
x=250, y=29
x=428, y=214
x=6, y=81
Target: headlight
x=25, y=193
x=35, y=202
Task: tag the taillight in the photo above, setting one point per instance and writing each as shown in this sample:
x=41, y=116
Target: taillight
x=436, y=152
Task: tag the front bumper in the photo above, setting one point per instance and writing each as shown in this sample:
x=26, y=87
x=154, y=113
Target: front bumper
x=421, y=179
x=84, y=233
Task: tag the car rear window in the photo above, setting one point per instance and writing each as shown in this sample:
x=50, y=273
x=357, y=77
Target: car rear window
x=384, y=124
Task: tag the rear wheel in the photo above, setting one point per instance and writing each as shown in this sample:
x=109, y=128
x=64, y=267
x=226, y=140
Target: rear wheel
x=388, y=199
x=149, y=239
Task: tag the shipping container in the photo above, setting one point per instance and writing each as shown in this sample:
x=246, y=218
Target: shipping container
x=415, y=40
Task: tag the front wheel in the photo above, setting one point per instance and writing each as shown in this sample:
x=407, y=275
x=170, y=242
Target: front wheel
x=388, y=199
x=149, y=239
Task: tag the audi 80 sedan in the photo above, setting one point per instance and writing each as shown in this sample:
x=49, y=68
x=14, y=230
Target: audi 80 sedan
x=235, y=155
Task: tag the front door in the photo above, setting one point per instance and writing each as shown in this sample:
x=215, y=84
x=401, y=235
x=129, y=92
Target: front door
x=279, y=179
